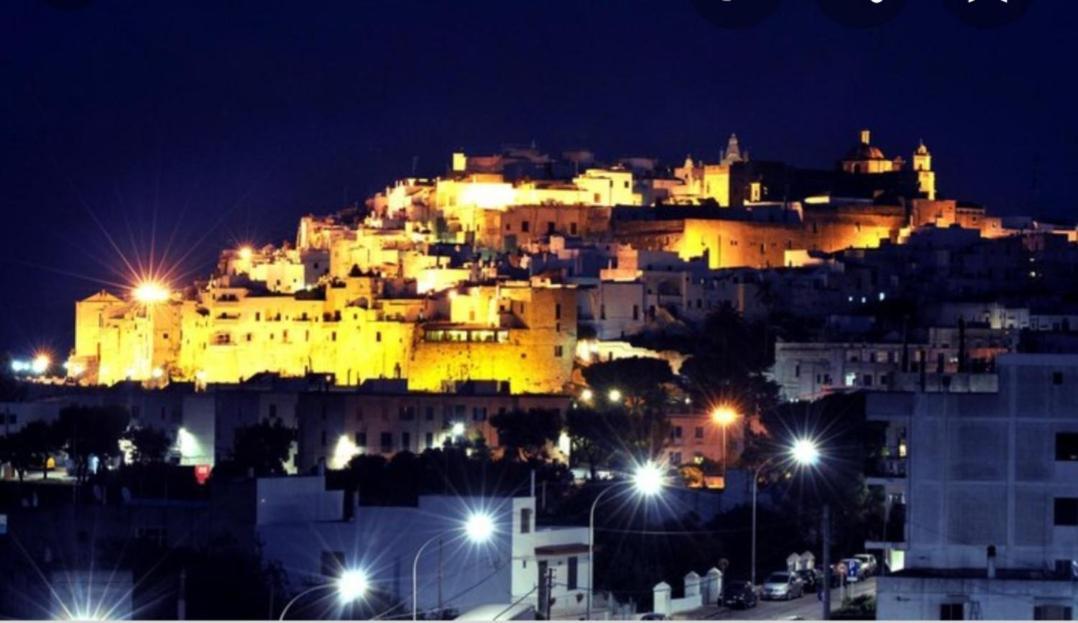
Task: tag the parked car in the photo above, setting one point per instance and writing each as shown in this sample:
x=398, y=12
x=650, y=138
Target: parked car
x=782, y=585
x=809, y=580
x=869, y=565
x=738, y=594
x=652, y=616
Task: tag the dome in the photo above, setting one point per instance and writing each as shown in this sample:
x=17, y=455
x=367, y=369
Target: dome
x=864, y=151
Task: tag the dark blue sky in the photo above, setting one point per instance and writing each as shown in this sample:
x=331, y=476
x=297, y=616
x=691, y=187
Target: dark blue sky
x=224, y=121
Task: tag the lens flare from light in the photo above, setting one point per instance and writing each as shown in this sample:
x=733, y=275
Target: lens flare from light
x=724, y=415
x=649, y=479
x=805, y=452
x=352, y=585
x=149, y=292
x=479, y=527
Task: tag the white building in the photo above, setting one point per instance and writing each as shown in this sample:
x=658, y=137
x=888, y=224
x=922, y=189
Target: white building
x=302, y=527
x=984, y=487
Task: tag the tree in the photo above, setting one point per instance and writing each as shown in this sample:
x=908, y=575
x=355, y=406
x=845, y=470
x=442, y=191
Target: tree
x=617, y=437
x=91, y=431
x=640, y=380
x=148, y=445
x=262, y=448
x=526, y=435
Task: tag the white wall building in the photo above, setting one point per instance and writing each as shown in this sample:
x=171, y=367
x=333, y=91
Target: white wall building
x=301, y=527
x=988, y=484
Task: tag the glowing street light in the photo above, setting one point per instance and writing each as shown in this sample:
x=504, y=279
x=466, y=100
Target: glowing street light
x=587, y=396
x=647, y=480
x=457, y=429
x=614, y=395
x=40, y=363
x=803, y=452
x=150, y=292
x=246, y=253
x=478, y=528
x=352, y=585
x=724, y=416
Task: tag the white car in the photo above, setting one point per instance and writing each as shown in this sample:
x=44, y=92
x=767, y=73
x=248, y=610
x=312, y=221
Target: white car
x=868, y=564
x=782, y=585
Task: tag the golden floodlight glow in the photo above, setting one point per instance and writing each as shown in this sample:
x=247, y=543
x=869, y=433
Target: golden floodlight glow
x=246, y=252
x=150, y=292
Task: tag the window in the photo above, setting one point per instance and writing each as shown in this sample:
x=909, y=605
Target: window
x=675, y=458
x=1066, y=512
x=429, y=414
x=557, y=311
x=406, y=441
x=571, y=580
x=525, y=520
x=1057, y=378
x=636, y=312
x=952, y=612
x=1052, y=612
x=386, y=440
x=1067, y=446
x=525, y=226
x=675, y=432
x=558, y=351
x=699, y=433
x=361, y=439
x=479, y=414
x=572, y=229
x=429, y=440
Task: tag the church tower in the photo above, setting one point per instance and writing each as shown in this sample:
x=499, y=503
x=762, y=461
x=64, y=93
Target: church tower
x=926, y=177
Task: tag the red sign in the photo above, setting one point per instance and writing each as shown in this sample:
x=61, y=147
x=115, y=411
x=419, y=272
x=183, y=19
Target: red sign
x=202, y=473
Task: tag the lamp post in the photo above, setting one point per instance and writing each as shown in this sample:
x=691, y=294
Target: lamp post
x=478, y=528
x=352, y=585
x=724, y=416
x=647, y=480
x=804, y=452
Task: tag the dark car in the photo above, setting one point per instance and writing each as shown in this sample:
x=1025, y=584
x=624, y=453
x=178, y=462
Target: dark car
x=809, y=579
x=738, y=594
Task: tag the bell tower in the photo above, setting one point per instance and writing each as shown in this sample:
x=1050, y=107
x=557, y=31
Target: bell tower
x=926, y=177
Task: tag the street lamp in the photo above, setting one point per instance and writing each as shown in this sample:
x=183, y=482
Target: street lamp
x=724, y=416
x=614, y=395
x=350, y=586
x=647, y=480
x=803, y=452
x=478, y=528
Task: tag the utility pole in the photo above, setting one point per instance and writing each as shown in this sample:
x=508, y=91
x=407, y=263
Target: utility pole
x=548, y=594
x=825, y=534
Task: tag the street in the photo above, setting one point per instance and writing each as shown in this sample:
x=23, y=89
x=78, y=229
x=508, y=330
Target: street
x=807, y=608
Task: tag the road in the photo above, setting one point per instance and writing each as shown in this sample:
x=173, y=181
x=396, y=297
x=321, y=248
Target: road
x=807, y=608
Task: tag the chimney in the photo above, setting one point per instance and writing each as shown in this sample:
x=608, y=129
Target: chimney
x=991, y=562
x=866, y=137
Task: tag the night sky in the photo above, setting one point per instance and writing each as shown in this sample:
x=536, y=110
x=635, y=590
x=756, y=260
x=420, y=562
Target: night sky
x=187, y=126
